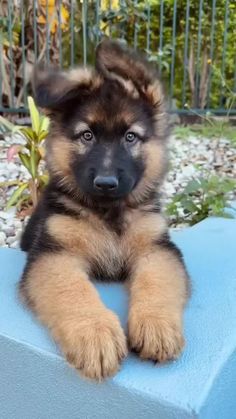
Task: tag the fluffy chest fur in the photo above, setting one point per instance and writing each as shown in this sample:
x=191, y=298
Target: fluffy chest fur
x=106, y=252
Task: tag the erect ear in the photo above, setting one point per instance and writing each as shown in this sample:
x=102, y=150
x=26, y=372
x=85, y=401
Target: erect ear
x=53, y=88
x=115, y=60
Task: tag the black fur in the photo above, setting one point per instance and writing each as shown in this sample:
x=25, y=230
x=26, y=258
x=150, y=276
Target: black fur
x=165, y=242
x=105, y=108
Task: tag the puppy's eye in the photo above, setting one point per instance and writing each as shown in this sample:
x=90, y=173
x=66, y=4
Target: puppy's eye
x=87, y=136
x=130, y=137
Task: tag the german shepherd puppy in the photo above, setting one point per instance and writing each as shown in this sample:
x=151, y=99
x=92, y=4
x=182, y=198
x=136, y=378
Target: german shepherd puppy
x=100, y=216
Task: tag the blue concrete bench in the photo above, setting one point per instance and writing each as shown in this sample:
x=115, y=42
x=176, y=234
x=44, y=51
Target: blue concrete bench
x=36, y=382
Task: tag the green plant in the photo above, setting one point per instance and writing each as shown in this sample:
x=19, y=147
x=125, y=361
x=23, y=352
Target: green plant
x=217, y=130
x=138, y=22
x=207, y=195
x=183, y=132
x=31, y=155
x=161, y=57
x=200, y=198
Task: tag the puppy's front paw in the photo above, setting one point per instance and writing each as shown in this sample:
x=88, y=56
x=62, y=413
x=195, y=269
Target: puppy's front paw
x=155, y=336
x=95, y=345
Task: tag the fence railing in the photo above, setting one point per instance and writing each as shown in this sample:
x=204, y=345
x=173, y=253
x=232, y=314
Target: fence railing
x=193, y=44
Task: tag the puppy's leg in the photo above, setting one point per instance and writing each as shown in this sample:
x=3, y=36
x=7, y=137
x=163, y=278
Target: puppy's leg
x=158, y=292
x=57, y=288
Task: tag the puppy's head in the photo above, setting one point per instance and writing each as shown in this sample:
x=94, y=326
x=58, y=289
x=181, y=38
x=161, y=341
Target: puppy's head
x=108, y=126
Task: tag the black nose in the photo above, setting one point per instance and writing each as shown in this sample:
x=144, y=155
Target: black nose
x=105, y=183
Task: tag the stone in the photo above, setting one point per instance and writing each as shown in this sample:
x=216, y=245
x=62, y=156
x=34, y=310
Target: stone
x=11, y=239
x=2, y=238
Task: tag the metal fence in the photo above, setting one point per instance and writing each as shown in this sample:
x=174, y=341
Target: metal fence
x=192, y=43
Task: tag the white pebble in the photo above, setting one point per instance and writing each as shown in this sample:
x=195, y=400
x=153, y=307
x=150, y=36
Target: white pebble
x=9, y=231
x=11, y=240
x=17, y=224
x=9, y=214
x=15, y=245
x=2, y=238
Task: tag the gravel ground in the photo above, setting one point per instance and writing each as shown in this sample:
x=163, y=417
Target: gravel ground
x=212, y=155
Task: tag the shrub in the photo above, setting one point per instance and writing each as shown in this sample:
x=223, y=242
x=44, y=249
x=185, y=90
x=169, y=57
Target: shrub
x=31, y=155
x=138, y=22
x=200, y=198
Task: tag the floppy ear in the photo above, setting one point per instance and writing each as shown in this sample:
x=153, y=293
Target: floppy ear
x=53, y=88
x=114, y=60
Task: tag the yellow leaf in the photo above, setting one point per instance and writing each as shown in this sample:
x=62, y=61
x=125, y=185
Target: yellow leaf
x=49, y=3
x=41, y=152
x=52, y=16
x=34, y=115
x=64, y=15
x=107, y=4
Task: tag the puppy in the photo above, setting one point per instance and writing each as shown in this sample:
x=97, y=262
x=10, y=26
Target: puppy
x=100, y=216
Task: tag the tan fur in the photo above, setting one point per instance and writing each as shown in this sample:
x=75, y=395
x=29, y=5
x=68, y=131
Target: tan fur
x=136, y=150
x=60, y=292
x=59, y=153
x=142, y=229
x=62, y=83
x=88, y=238
x=89, y=334
x=71, y=205
x=81, y=126
x=156, y=160
x=120, y=63
x=97, y=115
x=154, y=152
x=57, y=285
x=84, y=76
x=158, y=280
x=138, y=129
x=157, y=297
x=128, y=85
x=106, y=248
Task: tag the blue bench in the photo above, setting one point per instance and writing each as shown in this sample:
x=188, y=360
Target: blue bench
x=36, y=382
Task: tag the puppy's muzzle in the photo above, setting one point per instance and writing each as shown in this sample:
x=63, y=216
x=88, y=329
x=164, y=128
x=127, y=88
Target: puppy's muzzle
x=105, y=183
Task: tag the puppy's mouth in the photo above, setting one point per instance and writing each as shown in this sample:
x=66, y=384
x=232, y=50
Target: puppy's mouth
x=110, y=195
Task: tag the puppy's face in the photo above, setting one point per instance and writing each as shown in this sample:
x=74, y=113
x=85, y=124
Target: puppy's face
x=107, y=132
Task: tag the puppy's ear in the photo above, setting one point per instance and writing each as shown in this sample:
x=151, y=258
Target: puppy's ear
x=115, y=59
x=53, y=88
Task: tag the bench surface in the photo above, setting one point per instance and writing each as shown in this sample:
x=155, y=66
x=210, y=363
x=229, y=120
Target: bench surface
x=36, y=382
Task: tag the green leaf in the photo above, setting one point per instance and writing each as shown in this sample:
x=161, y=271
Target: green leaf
x=6, y=124
x=43, y=179
x=171, y=209
x=16, y=195
x=34, y=115
x=33, y=162
x=188, y=205
x=42, y=136
x=204, y=184
x=8, y=183
x=192, y=186
x=44, y=124
x=24, y=198
x=25, y=159
x=28, y=133
x=17, y=128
